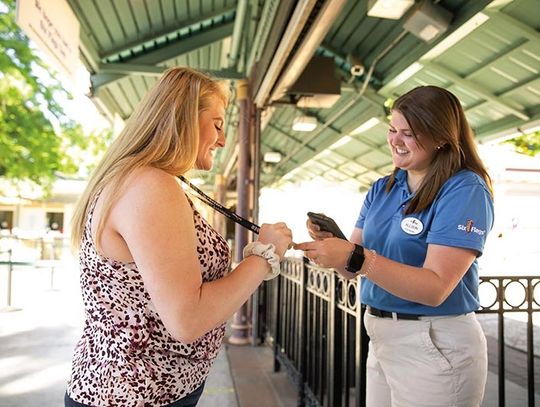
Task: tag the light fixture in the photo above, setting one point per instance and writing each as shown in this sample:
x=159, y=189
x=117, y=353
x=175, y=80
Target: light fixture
x=304, y=123
x=457, y=35
x=428, y=21
x=272, y=157
x=391, y=9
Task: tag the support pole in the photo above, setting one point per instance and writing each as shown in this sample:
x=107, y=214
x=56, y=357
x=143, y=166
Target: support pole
x=240, y=328
x=256, y=334
x=9, y=307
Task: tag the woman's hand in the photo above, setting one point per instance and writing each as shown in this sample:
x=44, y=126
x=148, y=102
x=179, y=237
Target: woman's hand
x=332, y=252
x=278, y=234
x=315, y=231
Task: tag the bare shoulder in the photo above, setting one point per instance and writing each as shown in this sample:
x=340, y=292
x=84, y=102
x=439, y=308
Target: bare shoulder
x=150, y=194
x=150, y=177
x=149, y=183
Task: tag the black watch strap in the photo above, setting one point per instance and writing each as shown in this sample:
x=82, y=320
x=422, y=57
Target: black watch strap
x=356, y=259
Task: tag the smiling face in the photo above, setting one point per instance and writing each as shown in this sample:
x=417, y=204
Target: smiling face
x=211, y=136
x=407, y=153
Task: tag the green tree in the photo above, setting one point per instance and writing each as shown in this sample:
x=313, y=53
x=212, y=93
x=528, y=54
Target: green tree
x=35, y=135
x=527, y=144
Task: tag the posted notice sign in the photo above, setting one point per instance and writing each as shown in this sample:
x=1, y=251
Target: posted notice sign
x=52, y=25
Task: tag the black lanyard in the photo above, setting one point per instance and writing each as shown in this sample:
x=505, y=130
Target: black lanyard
x=220, y=208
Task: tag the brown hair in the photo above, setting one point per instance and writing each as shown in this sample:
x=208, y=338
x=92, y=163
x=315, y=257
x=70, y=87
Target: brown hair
x=437, y=115
x=162, y=132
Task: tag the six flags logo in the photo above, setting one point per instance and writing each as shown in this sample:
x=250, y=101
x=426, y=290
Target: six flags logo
x=470, y=228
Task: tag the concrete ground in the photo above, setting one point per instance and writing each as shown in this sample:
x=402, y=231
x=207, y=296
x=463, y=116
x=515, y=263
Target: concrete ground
x=39, y=332
x=36, y=345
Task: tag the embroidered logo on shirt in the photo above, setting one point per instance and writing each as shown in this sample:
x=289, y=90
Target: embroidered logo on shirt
x=412, y=226
x=470, y=228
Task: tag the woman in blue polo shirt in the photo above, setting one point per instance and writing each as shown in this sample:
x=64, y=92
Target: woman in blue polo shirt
x=416, y=243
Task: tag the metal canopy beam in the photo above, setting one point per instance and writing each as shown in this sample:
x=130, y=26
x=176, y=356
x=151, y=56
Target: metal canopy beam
x=289, y=136
x=479, y=90
x=529, y=32
x=305, y=144
x=168, y=52
x=323, y=125
x=169, y=31
x=505, y=126
x=153, y=70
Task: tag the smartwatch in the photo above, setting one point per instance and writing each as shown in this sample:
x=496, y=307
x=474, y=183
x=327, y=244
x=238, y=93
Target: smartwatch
x=356, y=259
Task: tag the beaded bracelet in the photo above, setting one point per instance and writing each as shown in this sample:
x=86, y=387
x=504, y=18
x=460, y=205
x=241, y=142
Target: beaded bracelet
x=267, y=252
x=371, y=263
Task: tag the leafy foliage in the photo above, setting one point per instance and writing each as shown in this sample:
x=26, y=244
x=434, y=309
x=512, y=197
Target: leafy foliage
x=35, y=135
x=527, y=144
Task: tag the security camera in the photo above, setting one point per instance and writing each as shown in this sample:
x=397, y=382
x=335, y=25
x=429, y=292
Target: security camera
x=357, y=70
x=357, y=67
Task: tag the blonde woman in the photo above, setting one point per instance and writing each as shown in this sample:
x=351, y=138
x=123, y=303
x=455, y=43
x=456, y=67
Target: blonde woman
x=153, y=280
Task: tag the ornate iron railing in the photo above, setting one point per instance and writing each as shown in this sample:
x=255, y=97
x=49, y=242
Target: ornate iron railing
x=313, y=319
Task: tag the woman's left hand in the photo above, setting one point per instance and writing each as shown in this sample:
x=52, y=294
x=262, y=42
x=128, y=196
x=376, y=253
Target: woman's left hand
x=332, y=252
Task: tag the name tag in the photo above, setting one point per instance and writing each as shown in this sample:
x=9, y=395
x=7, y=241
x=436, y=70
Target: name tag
x=412, y=226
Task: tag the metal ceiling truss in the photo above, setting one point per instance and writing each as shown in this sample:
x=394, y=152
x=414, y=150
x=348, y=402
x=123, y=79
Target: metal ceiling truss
x=169, y=34
x=272, y=41
x=478, y=89
x=303, y=157
x=172, y=50
x=322, y=126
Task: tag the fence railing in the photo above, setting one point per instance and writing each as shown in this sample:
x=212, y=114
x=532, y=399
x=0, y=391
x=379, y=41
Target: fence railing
x=48, y=256
x=313, y=319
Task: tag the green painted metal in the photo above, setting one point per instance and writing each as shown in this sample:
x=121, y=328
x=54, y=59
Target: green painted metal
x=494, y=70
x=167, y=52
x=170, y=32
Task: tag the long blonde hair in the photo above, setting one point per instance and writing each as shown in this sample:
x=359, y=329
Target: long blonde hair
x=437, y=115
x=162, y=132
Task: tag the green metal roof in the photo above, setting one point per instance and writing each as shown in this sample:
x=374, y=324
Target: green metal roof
x=489, y=57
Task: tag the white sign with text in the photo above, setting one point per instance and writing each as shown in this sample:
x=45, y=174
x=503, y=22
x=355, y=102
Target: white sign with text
x=52, y=25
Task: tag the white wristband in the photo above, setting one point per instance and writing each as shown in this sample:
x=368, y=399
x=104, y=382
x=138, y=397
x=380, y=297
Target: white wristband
x=267, y=252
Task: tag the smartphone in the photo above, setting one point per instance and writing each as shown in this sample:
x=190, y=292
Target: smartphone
x=326, y=224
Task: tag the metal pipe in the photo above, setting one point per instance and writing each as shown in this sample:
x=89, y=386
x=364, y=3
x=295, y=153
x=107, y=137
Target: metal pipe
x=237, y=32
x=256, y=337
x=240, y=327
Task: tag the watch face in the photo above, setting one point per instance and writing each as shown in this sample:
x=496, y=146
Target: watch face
x=356, y=260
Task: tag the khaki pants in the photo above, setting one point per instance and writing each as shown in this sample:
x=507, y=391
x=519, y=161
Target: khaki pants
x=433, y=362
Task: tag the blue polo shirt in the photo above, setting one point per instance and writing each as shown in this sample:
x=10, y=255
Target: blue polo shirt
x=460, y=216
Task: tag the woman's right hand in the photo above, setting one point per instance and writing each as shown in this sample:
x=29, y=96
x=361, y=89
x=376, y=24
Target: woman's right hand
x=278, y=234
x=315, y=231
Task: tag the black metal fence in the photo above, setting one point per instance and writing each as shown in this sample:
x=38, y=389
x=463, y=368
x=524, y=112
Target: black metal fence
x=313, y=320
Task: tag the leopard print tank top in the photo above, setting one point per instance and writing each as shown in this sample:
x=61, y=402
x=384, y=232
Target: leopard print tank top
x=126, y=357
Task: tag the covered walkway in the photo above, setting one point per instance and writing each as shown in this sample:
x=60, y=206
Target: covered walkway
x=486, y=52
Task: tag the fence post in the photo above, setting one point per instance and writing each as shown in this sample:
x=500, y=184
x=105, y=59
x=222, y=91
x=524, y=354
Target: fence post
x=500, y=343
x=303, y=330
x=530, y=343
x=9, y=308
x=331, y=341
x=361, y=351
x=9, y=275
x=276, y=293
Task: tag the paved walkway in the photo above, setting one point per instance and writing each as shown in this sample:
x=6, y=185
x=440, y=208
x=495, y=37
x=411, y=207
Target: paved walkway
x=37, y=342
x=36, y=345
